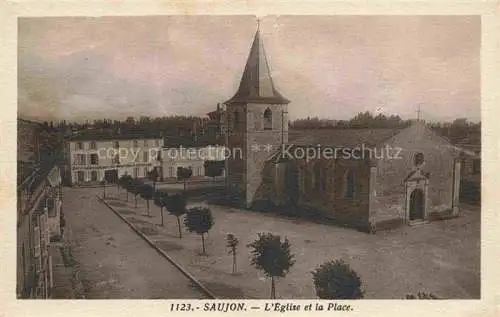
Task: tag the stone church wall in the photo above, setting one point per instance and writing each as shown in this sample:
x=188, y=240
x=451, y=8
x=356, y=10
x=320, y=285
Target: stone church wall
x=389, y=202
x=355, y=210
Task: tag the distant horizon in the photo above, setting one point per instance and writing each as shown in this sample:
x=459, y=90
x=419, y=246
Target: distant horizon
x=85, y=68
x=91, y=121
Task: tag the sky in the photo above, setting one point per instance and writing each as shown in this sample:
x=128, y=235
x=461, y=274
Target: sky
x=84, y=68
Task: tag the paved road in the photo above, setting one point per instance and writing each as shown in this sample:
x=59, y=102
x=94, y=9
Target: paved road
x=115, y=262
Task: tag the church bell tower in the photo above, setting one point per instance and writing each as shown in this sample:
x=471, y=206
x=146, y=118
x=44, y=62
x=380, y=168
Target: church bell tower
x=257, y=125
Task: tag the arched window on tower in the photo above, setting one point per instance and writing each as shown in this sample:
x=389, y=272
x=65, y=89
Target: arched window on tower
x=268, y=119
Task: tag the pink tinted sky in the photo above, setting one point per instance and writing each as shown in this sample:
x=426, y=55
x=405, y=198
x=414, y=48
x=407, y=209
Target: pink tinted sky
x=329, y=66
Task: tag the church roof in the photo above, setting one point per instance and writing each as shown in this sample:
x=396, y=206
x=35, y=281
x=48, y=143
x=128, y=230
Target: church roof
x=256, y=85
x=340, y=137
x=333, y=138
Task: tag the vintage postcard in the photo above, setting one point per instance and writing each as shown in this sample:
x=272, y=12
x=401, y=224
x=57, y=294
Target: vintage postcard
x=244, y=159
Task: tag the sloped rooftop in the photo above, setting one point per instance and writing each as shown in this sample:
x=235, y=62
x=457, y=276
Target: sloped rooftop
x=340, y=137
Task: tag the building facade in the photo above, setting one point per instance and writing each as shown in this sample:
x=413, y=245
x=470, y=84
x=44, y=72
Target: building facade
x=470, y=160
x=92, y=158
x=39, y=208
x=342, y=181
x=193, y=158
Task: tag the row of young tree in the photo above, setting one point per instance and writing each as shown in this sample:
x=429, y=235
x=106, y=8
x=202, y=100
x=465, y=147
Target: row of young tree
x=269, y=253
x=197, y=219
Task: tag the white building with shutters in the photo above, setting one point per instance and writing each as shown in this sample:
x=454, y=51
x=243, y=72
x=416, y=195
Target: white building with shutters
x=92, y=157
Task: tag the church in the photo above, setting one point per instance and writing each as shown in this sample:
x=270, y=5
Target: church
x=368, y=189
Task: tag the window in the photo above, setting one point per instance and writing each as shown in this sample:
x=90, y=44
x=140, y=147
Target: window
x=145, y=172
x=93, y=145
x=79, y=146
x=94, y=159
x=145, y=143
x=318, y=178
x=51, y=207
x=135, y=143
x=80, y=176
x=268, y=119
x=306, y=179
x=200, y=171
x=116, y=144
x=418, y=160
x=349, y=184
x=93, y=176
x=80, y=159
x=136, y=172
x=171, y=171
x=157, y=142
x=145, y=156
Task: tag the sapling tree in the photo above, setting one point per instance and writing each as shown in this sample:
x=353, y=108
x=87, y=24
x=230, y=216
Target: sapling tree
x=336, y=280
x=232, y=244
x=146, y=192
x=184, y=173
x=124, y=182
x=153, y=175
x=108, y=179
x=176, y=206
x=199, y=220
x=160, y=200
x=272, y=256
x=213, y=168
x=134, y=189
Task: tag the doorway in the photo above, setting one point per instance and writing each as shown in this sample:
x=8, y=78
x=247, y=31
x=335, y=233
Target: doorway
x=111, y=175
x=417, y=205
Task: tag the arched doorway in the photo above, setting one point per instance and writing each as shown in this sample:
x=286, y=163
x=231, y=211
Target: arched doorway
x=417, y=204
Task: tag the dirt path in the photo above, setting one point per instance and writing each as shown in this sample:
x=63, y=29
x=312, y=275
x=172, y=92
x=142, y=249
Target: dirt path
x=114, y=262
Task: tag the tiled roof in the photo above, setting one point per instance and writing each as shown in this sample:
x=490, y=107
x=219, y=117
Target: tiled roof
x=340, y=137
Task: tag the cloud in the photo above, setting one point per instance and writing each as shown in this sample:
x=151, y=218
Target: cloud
x=329, y=66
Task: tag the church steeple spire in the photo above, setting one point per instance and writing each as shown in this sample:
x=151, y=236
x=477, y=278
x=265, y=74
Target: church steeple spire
x=256, y=85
